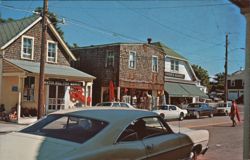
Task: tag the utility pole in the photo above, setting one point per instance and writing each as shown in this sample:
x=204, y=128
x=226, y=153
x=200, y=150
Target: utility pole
x=225, y=75
x=42, y=61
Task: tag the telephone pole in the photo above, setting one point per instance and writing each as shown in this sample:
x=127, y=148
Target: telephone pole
x=225, y=75
x=41, y=106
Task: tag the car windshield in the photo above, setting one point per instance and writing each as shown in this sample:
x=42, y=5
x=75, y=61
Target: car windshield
x=65, y=127
x=194, y=105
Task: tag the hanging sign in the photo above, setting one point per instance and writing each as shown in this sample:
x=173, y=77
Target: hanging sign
x=62, y=83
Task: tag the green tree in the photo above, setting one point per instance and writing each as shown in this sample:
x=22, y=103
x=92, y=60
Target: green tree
x=220, y=80
x=201, y=74
x=5, y=20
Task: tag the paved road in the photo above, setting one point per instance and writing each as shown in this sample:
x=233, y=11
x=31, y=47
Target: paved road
x=226, y=142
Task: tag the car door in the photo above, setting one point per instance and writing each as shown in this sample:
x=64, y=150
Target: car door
x=173, y=111
x=161, y=143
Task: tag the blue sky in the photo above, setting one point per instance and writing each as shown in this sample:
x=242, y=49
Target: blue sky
x=194, y=28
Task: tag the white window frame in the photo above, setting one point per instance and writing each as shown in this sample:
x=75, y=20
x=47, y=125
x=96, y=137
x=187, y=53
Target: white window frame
x=133, y=53
x=175, y=65
x=111, y=57
x=32, y=52
x=53, y=42
x=157, y=65
x=233, y=83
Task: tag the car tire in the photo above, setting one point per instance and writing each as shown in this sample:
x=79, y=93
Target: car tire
x=162, y=115
x=194, y=156
x=197, y=115
x=181, y=116
x=226, y=113
x=211, y=115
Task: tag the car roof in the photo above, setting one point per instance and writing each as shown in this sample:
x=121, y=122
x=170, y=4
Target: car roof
x=108, y=114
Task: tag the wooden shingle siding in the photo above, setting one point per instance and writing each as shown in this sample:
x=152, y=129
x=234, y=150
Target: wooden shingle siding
x=13, y=51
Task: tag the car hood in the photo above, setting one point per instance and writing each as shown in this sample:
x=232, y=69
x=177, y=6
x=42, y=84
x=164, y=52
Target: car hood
x=30, y=147
x=197, y=136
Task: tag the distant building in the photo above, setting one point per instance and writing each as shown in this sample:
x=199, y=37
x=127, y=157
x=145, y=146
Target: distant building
x=236, y=84
x=136, y=69
x=181, y=84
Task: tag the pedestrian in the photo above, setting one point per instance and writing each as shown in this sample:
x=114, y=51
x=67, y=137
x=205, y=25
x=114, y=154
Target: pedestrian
x=234, y=112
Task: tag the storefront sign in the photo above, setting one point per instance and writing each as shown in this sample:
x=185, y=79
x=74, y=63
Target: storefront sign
x=175, y=75
x=62, y=83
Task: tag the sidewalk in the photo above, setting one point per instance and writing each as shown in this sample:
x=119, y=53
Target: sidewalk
x=10, y=126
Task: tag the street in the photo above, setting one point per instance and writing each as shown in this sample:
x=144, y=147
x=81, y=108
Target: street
x=225, y=142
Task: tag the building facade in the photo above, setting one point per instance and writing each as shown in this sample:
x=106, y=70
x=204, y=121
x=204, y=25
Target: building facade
x=136, y=70
x=20, y=49
x=236, y=85
x=180, y=82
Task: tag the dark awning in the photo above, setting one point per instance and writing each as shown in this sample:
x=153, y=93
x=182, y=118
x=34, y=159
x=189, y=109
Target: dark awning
x=183, y=90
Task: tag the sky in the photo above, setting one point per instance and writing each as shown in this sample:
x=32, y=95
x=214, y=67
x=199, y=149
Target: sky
x=196, y=29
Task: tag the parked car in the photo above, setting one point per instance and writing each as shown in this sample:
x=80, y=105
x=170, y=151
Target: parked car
x=170, y=112
x=115, y=104
x=222, y=109
x=200, y=109
x=107, y=133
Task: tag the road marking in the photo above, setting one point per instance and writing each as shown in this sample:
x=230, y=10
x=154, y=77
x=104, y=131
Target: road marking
x=205, y=125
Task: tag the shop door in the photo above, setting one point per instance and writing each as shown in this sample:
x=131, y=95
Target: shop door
x=56, y=98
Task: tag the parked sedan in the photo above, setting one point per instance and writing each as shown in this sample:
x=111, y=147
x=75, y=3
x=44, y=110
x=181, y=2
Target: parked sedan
x=200, y=109
x=107, y=133
x=115, y=104
x=170, y=112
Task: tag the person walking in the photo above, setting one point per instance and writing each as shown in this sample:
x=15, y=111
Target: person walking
x=234, y=112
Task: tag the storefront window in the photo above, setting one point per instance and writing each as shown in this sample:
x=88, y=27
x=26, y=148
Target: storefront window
x=29, y=89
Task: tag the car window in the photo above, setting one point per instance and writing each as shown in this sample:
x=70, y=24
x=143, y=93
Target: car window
x=124, y=105
x=70, y=128
x=194, y=105
x=116, y=105
x=104, y=104
x=144, y=128
x=163, y=107
x=172, y=107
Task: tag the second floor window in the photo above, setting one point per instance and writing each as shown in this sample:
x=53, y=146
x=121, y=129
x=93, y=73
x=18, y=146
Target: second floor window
x=174, y=65
x=110, y=59
x=155, y=64
x=27, y=47
x=52, y=52
x=132, y=60
x=233, y=83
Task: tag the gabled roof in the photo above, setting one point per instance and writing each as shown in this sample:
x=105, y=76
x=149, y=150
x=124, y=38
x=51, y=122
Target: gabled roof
x=10, y=31
x=169, y=52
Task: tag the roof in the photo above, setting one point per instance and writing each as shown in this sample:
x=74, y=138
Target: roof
x=109, y=114
x=183, y=90
x=9, y=30
x=50, y=69
x=169, y=52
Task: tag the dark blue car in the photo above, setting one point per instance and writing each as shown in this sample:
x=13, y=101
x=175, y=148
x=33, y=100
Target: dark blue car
x=200, y=109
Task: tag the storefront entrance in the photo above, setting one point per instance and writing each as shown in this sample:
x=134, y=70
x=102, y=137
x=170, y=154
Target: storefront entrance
x=56, y=98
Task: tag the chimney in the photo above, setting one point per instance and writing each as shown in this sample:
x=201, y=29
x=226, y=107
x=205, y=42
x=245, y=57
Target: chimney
x=149, y=40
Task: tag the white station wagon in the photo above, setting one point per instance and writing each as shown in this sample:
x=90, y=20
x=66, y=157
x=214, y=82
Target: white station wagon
x=102, y=134
x=170, y=112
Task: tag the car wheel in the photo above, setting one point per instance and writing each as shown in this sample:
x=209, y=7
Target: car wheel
x=181, y=116
x=197, y=115
x=211, y=115
x=162, y=115
x=226, y=113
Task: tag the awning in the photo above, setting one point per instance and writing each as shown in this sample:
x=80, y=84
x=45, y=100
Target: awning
x=183, y=90
x=50, y=69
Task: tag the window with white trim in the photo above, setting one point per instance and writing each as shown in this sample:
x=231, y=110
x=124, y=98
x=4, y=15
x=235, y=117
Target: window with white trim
x=174, y=65
x=233, y=83
x=154, y=63
x=52, y=52
x=110, y=59
x=27, y=47
x=29, y=89
x=132, y=60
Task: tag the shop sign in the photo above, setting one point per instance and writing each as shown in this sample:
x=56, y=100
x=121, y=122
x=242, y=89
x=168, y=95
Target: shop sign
x=63, y=83
x=175, y=75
